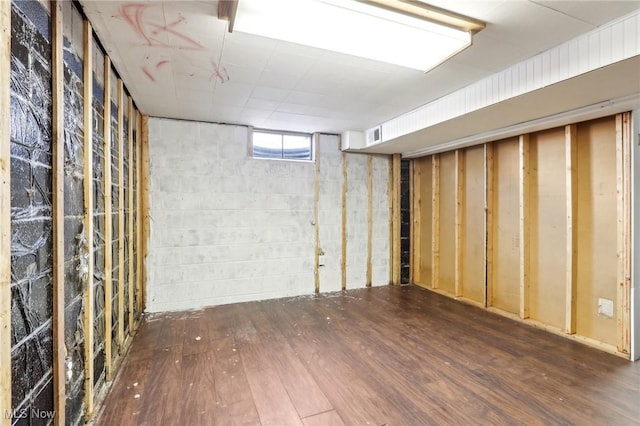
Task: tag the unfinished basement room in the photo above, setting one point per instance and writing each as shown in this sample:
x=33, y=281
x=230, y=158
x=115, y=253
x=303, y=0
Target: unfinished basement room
x=319, y=212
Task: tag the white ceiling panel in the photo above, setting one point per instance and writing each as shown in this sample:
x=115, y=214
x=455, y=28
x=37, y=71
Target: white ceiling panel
x=178, y=60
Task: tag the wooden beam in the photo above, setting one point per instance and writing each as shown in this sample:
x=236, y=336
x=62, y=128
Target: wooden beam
x=390, y=199
x=138, y=186
x=435, y=221
x=488, y=211
x=146, y=214
x=5, y=213
x=524, y=178
x=88, y=218
x=227, y=11
x=343, y=258
x=130, y=230
x=416, y=223
x=369, y=219
x=316, y=211
x=120, y=215
x=623, y=191
x=396, y=249
x=108, y=223
x=459, y=217
x=57, y=78
x=571, y=139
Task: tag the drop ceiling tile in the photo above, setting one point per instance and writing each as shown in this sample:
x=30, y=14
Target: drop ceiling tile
x=303, y=109
x=248, y=75
x=257, y=113
x=195, y=83
x=279, y=79
x=231, y=93
x=269, y=93
x=262, y=104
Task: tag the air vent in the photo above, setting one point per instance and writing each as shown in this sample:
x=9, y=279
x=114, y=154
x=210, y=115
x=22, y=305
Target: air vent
x=374, y=136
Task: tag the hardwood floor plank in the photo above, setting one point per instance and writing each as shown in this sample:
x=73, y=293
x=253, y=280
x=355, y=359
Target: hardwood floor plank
x=198, y=392
x=328, y=418
x=269, y=394
x=385, y=355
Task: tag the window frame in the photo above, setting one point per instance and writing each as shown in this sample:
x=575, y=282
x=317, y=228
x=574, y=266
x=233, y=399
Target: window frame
x=282, y=133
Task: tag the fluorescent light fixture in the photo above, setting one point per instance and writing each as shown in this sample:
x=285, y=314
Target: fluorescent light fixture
x=354, y=28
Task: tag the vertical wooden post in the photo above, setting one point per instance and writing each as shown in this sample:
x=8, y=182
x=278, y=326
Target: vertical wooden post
x=130, y=214
x=5, y=212
x=623, y=190
x=139, y=211
x=570, y=139
x=411, y=228
x=120, y=214
x=396, y=250
x=316, y=211
x=88, y=217
x=435, y=221
x=390, y=199
x=488, y=209
x=369, y=219
x=524, y=224
x=59, y=347
x=416, y=222
x=459, y=212
x=108, y=223
x=343, y=261
x=146, y=220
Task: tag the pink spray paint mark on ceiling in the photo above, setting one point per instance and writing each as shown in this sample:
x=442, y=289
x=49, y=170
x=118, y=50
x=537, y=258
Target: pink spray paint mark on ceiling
x=148, y=29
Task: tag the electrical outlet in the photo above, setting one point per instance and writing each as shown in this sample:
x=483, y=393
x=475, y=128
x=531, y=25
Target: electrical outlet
x=605, y=307
x=321, y=258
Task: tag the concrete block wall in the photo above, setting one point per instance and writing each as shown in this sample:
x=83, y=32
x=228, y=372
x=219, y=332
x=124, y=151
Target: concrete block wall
x=380, y=236
x=330, y=212
x=228, y=228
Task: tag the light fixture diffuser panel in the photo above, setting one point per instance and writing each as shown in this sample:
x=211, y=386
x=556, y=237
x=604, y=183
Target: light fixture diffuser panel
x=380, y=35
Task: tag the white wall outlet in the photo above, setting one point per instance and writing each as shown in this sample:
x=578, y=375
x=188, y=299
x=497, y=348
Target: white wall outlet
x=321, y=258
x=605, y=307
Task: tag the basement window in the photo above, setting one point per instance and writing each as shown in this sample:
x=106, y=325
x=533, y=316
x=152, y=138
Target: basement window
x=281, y=145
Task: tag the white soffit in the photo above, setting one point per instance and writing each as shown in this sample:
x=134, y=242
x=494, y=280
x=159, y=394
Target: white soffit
x=616, y=42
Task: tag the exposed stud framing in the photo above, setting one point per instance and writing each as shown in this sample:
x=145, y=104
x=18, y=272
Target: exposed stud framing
x=108, y=223
x=144, y=186
x=416, y=201
x=59, y=347
x=390, y=199
x=139, y=212
x=524, y=178
x=88, y=219
x=120, y=215
x=343, y=257
x=396, y=249
x=623, y=190
x=435, y=221
x=130, y=229
x=570, y=135
x=5, y=213
x=488, y=209
x=459, y=217
x=369, y=219
x=316, y=211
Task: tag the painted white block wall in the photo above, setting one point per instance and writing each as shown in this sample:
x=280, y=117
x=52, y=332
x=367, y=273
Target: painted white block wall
x=380, y=239
x=330, y=213
x=357, y=220
x=228, y=228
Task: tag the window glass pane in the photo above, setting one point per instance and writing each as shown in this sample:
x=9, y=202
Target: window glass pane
x=296, y=147
x=267, y=145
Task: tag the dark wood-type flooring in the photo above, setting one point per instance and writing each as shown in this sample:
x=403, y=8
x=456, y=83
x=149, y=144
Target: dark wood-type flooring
x=381, y=356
